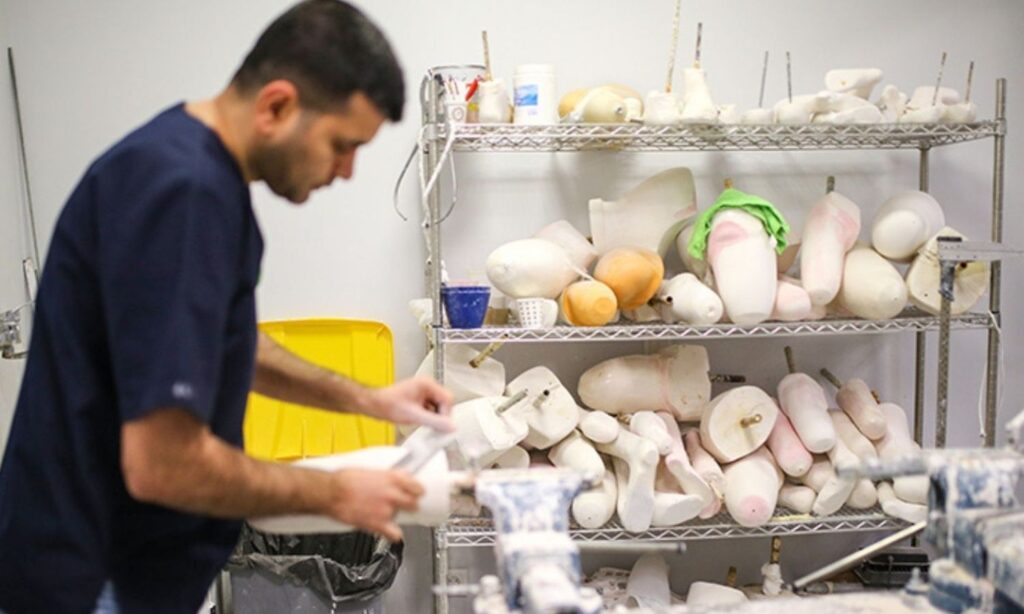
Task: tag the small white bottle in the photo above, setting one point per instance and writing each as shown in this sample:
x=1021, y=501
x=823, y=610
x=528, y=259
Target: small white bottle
x=536, y=100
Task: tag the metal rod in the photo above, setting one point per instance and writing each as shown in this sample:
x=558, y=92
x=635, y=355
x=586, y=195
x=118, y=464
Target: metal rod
x=487, y=56
x=633, y=547
x=830, y=184
x=511, y=402
x=776, y=554
x=995, y=290
x=790, y=361
x=789, y=79
x=861, y=555
x=730, y=576
x=485, y=354
x=938, y=82
x=764, y=79
x=970, y=79
x=700, y=32
x=832, y=379
x=921, y=345
x=24, y=157
x=750, y=421
x=722, y=378
x=942, y=395
x=673, y=47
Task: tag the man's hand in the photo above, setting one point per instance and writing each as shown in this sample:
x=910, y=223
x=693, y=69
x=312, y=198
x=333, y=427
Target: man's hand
x=368, y=499
x=418, y=400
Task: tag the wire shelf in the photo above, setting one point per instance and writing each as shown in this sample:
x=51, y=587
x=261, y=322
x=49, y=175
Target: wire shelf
x=469, y=532
x=704, y=137
x=908, y=321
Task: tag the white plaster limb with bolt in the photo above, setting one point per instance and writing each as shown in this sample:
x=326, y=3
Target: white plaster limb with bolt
x=792, y=302
x=863, y=496
x=675, y=379
x=687, y=299
x=698, y=106
x=893, y=506
x=594, y=508
x=850, y=435
x=904, y=223
x=872, y=288
x=970, y=279
x=857, y=402
x=831, y=230
x=483, y=432
x=799, y=499
x=803, y=401
x=576, y=452
x=465, y=381
x=737, y=422
x=551, y=413
x=635, y=475
x=859, y=82
x=647, y=424
x=897, y=444
x=789, y=452
x=598, y=426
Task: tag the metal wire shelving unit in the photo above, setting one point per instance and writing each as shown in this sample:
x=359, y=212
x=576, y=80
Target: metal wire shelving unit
x=466, y=532
x=438, y=137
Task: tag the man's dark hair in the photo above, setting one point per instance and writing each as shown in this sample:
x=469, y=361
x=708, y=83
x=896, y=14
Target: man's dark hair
x=329, y=50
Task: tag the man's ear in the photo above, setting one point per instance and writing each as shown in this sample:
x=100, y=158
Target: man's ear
x=276, y=104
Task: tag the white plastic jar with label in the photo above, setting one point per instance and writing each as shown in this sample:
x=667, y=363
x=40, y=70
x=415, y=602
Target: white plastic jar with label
x=536, y=100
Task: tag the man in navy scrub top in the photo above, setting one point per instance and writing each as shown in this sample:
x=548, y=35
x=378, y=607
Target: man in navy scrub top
x=123, y=482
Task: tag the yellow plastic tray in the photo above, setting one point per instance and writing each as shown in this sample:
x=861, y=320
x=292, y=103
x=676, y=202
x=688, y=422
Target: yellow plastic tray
x=359, y=349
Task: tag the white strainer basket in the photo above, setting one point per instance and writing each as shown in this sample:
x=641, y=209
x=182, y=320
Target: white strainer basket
x=536, y=312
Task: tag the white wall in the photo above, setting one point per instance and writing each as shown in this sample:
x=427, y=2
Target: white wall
x=14, y=245
x=91, y=71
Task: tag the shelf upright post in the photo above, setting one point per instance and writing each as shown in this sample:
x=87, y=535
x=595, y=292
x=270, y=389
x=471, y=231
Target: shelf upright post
x=428, y=148
x=920, y=365
x=992, y=368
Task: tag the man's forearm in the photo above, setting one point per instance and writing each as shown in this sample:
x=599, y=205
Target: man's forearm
x=284, y=376
x=171, y=459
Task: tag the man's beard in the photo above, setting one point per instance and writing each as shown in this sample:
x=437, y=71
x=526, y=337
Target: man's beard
x=274, y=163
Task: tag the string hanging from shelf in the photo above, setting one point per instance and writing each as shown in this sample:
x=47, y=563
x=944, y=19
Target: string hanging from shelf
x=696, y=57
x=970, y=77
x=789, y=79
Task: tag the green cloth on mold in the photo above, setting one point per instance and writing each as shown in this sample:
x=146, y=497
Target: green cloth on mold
x=730, y=198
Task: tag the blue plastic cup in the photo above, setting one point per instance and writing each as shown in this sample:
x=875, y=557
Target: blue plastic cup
x=466, y=306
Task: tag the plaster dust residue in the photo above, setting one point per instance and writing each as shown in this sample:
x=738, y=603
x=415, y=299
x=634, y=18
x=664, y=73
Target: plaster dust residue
x=851, y=603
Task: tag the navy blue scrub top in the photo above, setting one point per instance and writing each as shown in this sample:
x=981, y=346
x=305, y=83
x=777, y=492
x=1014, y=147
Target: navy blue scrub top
x=146, y=302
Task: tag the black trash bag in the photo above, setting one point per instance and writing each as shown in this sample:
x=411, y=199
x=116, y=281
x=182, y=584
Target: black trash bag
x=341, y=567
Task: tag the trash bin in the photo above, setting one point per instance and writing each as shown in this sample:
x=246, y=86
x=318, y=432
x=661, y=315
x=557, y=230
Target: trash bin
x=310, y=574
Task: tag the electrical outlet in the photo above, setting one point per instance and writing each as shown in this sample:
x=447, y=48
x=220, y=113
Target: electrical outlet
x=458, y=576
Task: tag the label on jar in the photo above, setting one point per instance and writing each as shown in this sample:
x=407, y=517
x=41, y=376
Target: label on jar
x=526, y=95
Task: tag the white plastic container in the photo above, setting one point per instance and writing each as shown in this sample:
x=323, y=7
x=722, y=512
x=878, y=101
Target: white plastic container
x=536, y=99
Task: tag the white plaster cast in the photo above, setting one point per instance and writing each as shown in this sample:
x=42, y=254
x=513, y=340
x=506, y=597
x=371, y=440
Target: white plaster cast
x=856, y=400
x=872, y=287
x=530, y=268
x=831, y=230
x=923, y=96
x=802, y=108
x=896, y=444
x=789, y=452
x=863, y=496
x=896, y=508
x=550, y=411
x=737, y=422
x=461, y=378
x=960, y=113
x=752, y=488
x=580, y=251
x=675, y=379
x=855, y=81
x=703, y=594
x=697, y=107
x=647, y=424
x=677, y=462
x=742, y=257
x=493, y=102
x=685, y=298
x=758, y=117
x=792, y=303
x=925, y=115
x=576, y=452
x=648, y=586
x=598, y=426
x=707, y=468
x=892, y=103
x=832, y=490
x=729, y=114
x=593, y=509
x=850, y=435
x=661, y=109
x=482, y=434
x=803, y=401
x=904, y=223
x=698, y=267
x=671, y=505
x=635, y=473
x=799, y=499
x=513, y=458
x=970, y=280
x=646, y=217
x=434, y=505
x=869, y=114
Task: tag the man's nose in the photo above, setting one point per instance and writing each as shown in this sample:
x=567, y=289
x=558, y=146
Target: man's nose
x=346, y=165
